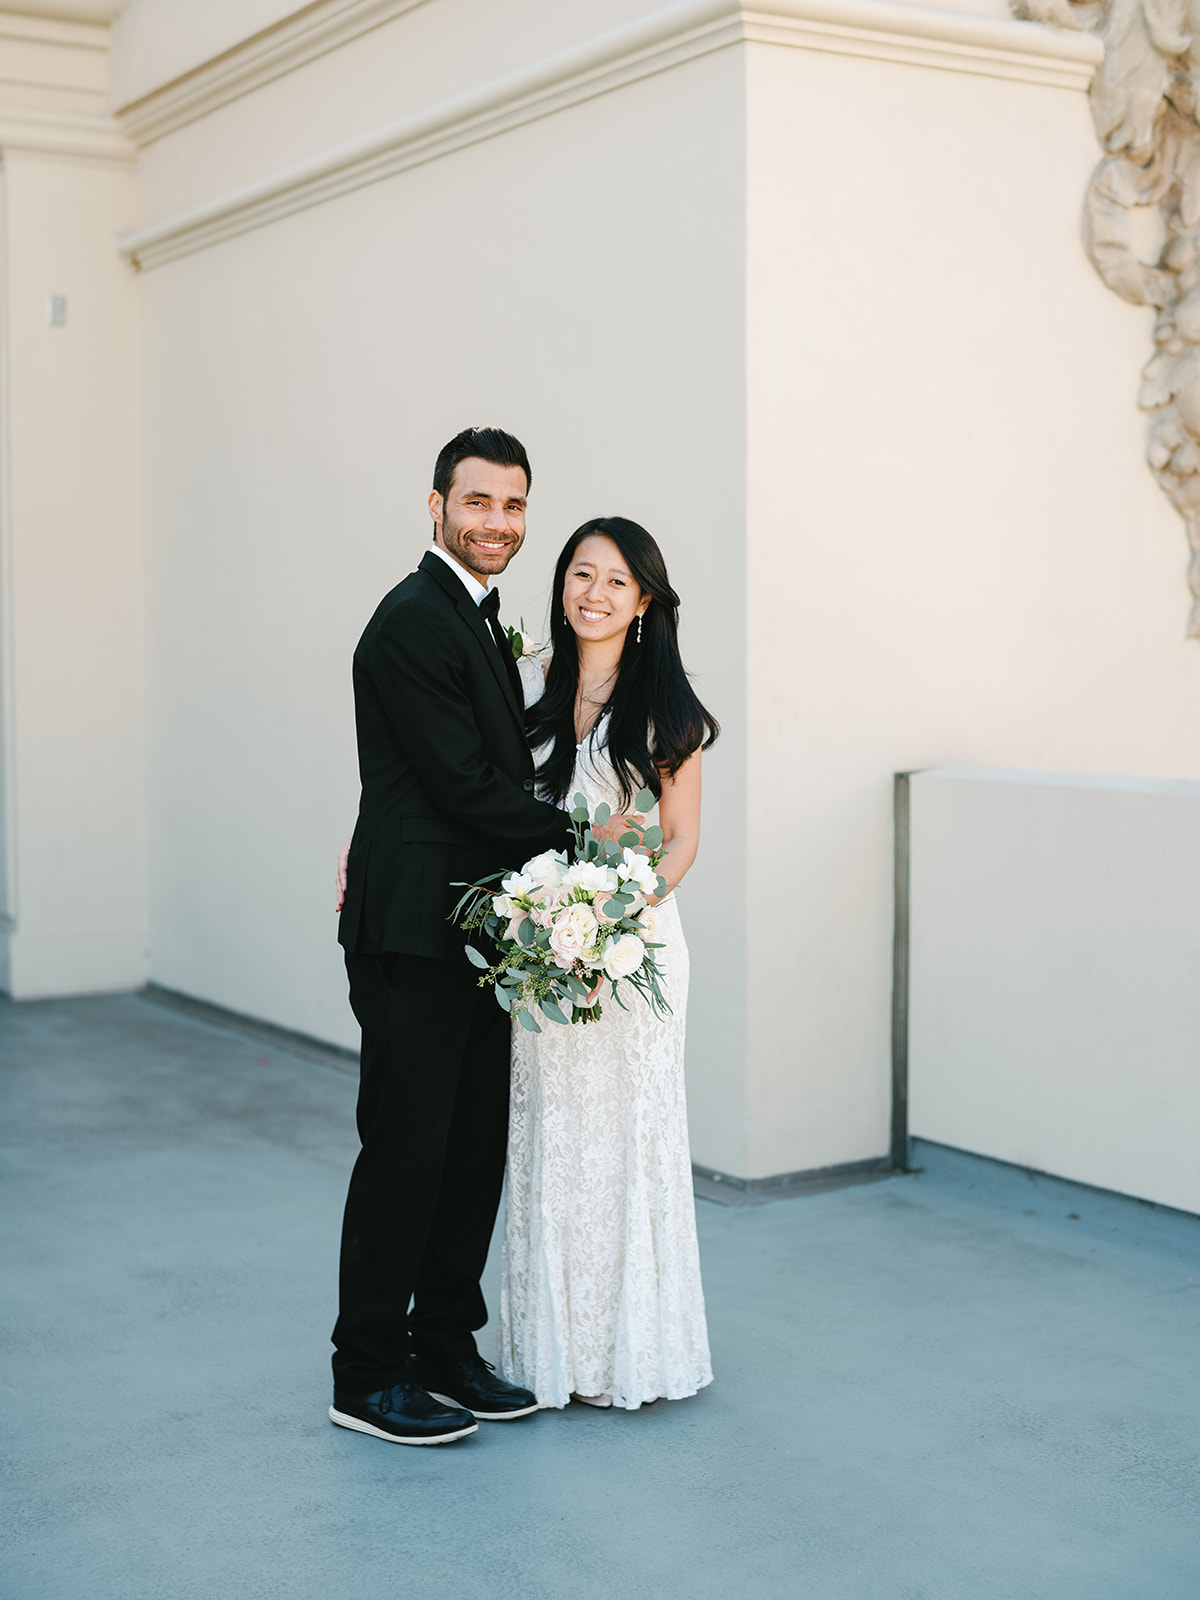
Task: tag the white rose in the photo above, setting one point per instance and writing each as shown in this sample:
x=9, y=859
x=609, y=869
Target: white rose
x=591, y=877
x=572, y=933
x=624, y=955
x=546, y=869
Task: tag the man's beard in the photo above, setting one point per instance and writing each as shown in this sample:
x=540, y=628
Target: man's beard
x=457, y=546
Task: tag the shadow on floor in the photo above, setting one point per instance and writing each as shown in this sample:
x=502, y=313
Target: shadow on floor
x=930, y=1388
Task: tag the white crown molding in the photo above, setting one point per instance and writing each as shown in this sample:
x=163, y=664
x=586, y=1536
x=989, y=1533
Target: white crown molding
x=51, y=30
x=667, y=38
x=920, y=36
x=64, y=133
x=100, y=12
x=298, y=39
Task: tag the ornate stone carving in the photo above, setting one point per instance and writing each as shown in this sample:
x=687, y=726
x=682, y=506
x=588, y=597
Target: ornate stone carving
x=1146, y=109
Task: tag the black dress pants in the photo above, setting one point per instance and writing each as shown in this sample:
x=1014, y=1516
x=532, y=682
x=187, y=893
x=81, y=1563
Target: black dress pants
x=433, y=1120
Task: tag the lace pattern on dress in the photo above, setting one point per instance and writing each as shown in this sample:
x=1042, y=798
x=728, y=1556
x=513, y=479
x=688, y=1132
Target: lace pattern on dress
x=600, y=1290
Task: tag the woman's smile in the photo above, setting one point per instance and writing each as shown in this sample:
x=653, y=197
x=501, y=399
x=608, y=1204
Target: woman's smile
x=600, y=569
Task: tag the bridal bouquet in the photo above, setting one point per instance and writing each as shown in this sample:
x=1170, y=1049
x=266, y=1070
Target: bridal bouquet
x=560, y=927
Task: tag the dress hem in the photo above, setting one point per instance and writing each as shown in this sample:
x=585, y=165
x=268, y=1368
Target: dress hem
x=620, y=1403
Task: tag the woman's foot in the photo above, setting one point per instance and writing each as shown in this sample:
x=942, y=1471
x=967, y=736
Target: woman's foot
x=603, y=1401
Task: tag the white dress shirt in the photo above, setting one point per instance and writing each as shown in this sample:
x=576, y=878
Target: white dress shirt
x=470, y=582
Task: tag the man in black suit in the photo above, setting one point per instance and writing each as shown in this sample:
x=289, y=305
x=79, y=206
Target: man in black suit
x=447, y=797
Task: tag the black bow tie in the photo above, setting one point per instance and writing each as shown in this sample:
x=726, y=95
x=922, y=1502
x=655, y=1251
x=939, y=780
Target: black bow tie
x=489, y=609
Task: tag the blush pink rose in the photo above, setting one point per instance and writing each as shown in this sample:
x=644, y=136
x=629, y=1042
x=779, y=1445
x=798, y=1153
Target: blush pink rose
x=572, y=934
x=546, y=902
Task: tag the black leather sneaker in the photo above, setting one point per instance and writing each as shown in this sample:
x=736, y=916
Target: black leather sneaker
x=471, y=1382
x=404, y=1414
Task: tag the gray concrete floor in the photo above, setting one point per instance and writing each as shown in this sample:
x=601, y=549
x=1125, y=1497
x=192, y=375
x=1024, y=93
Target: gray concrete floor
x=939, y=1386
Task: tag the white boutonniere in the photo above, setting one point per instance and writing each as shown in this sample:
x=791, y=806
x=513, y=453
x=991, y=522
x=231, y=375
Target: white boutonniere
x=523, y=644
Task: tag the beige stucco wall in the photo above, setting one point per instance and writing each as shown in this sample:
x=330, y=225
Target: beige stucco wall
x=1053, y=944
x=821, y=320
x=956, y=552
x=72, y=760
x=74, y=770
x=567, y=280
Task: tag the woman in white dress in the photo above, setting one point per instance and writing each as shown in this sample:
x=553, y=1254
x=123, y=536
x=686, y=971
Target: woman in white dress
x=601, y=1299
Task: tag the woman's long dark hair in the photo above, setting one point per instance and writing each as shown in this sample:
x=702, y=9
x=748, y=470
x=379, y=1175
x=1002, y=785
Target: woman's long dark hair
x=651, y=698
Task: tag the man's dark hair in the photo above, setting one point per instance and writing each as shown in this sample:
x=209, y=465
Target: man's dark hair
x=487, y=444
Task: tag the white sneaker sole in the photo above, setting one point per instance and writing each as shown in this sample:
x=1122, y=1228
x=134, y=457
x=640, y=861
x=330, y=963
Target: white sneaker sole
x=484, y=1416
x=359, y=1426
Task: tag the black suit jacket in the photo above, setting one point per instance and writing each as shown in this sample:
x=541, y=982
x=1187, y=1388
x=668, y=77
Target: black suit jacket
x=447, y=777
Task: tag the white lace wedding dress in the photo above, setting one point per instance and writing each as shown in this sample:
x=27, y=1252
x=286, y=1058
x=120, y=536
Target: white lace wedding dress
x=600, y=1289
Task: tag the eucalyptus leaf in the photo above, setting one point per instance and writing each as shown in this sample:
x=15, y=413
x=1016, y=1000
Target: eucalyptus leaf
x=603, y=812
x=474, y=957
x=503, y=998
x=526, y=932
x=527, y=1022
x=644, y=800
x=613, y=908
x=652, y=837
x=579, y=814
x=579, y=801
x=660, y=888
x=573, y=983
x=553, y=1011
x=630, y=840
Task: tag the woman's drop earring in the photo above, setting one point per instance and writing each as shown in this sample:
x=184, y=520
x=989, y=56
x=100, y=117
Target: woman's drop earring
x=639, y=637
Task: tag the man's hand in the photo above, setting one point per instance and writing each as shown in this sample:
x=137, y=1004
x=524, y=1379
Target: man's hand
x=341, y=874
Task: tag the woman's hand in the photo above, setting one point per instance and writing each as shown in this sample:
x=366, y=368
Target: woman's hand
x=616, y=826
x=340, y=881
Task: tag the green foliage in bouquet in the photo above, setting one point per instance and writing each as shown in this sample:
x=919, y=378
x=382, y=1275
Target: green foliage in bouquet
x=559, y=928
